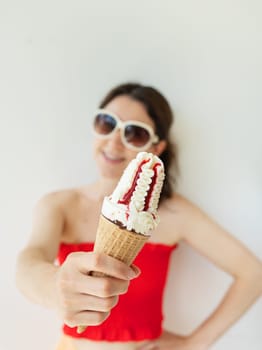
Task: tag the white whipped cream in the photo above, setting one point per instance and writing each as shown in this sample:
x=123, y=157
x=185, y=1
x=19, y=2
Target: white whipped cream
x=133, y=215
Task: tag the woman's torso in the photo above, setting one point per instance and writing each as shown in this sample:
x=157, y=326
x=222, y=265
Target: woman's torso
x=81, y=212
x=69, y=343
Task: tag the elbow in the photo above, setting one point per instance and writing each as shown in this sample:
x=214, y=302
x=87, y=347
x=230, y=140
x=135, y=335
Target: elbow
x=19, y=273
x=252, y=275
x=258, y=278
x=22, y=271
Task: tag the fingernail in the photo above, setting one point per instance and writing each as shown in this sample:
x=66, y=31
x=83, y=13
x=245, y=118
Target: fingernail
x=135, y=272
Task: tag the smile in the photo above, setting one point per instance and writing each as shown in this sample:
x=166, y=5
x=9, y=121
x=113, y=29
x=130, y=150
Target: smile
x=112, y=159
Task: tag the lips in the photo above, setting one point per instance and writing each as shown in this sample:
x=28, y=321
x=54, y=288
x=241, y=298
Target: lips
x=112, y=158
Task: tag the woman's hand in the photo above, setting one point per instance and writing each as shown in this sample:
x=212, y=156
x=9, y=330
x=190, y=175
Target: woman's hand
x=171, y=341
x=82, y=299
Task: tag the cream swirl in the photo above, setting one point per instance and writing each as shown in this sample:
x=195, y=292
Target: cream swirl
x=135, y=199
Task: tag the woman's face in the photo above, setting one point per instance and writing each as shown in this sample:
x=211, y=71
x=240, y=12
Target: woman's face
x=111, y=155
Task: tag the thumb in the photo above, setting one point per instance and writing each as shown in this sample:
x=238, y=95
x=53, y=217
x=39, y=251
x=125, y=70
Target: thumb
x=136, y=270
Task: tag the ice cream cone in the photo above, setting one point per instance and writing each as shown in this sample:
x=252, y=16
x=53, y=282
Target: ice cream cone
x=129, y=215
x=118, y=243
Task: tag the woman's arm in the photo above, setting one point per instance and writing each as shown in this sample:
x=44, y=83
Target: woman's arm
x=35, y=272
x=209, y=239
x=226, y=252
x=77, y=297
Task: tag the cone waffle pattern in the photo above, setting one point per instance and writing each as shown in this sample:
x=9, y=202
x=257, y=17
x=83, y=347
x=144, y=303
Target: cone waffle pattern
x=118, y=243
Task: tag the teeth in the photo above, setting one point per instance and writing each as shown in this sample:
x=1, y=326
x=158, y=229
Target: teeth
x=112, y=158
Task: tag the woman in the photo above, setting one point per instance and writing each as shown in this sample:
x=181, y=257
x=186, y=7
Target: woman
x=124, y=311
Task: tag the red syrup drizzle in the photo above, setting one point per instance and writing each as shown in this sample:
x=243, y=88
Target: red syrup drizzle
x=127, y=196
x=152, y=185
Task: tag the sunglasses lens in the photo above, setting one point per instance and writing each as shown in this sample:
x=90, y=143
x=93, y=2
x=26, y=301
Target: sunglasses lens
x=136, y=135
x=104, y=124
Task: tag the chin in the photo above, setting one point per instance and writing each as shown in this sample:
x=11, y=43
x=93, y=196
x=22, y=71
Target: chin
x=111, y=169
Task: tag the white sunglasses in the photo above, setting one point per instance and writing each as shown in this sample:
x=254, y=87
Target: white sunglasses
x=135, y=135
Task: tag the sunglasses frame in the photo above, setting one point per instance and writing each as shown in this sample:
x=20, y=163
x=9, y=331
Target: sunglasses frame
x=121, y=125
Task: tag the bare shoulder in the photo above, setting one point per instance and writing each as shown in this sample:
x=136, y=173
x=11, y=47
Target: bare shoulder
x=180, y=208
x=49, y=215
x=60, y=200
x=56, y=199
x=173, y=213
x=180, y=203
x=190, y=218
x=204, y=234
x=187, y=220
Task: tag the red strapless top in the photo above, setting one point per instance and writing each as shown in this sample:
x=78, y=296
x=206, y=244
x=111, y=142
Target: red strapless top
x=138, y=314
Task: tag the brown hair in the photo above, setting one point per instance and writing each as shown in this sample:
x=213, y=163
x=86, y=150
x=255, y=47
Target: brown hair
x=160, y=112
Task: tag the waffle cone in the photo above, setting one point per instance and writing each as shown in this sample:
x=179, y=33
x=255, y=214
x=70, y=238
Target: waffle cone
x=118, y=243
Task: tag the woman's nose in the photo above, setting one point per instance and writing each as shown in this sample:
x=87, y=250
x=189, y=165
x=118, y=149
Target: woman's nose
x=115, y=139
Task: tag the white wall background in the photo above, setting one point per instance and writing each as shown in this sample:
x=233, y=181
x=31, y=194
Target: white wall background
x=59, y=57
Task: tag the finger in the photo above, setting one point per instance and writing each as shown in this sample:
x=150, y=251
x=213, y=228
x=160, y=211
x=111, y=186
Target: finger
x=136, y=269
x=104, y=287
x=88, y=318
x=79, y=303
x=106, y=264
x=91, y=285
